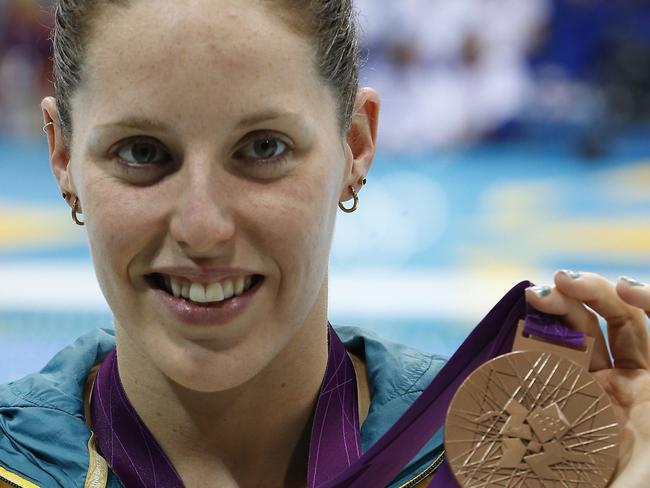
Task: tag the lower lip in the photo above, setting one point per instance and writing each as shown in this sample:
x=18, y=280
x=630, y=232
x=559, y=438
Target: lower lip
x=204, y=315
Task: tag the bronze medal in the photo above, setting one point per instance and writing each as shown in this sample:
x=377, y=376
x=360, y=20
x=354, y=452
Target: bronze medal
x=533, y=418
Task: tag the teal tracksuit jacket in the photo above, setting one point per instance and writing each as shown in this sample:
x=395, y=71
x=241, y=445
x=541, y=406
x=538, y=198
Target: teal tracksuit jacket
x=44, y=438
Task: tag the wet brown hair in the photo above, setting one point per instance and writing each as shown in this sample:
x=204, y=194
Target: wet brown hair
x=330, y=23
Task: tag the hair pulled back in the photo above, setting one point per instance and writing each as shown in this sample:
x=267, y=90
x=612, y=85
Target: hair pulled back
x=331, y=24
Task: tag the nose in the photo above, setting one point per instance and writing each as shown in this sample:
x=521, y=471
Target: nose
x=202, y=221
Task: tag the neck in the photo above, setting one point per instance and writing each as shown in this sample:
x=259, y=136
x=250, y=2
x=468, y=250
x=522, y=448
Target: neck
x=264, y=423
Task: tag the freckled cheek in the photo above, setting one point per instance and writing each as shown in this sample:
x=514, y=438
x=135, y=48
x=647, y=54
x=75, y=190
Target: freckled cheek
x=119, y=227
x=299, y=231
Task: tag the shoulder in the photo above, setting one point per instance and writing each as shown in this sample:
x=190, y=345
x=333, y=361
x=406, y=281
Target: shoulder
x=397, y=375
x=59, y=385
x=43, y=434
x=394, y=369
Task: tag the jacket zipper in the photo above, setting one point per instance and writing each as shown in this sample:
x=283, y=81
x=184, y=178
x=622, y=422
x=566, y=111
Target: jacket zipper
x=426, y=472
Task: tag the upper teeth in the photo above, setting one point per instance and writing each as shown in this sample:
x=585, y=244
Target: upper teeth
x=213, y=292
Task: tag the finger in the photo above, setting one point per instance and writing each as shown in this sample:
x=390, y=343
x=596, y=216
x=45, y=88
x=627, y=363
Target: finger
x=575, y=315
x=626, y=324
x=634, y=293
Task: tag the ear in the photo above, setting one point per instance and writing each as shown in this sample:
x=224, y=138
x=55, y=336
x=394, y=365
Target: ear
x=361, y=140
x=59, y=153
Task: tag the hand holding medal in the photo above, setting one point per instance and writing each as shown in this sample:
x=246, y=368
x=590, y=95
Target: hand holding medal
x=551, y=412
x=624, y=375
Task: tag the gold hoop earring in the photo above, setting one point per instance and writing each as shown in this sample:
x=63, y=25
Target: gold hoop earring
x=362, y=182
x=356, y=202
x=75, y=209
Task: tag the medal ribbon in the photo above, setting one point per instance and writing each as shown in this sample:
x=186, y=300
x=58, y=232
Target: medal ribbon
x=137, y=459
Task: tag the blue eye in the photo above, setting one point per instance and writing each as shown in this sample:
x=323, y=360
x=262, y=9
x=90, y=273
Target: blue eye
x=142, y=153
x=264, y=149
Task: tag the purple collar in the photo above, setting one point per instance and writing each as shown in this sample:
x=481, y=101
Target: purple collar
x=138, y=460
x=122, y=437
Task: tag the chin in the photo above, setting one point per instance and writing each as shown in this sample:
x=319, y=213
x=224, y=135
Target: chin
x=205, y=370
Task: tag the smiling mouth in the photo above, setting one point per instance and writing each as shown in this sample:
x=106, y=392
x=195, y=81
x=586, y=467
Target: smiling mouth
x=204, y=294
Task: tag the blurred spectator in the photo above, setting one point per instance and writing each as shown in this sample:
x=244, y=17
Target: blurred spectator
x=594, y=69
x=25, y=67
x=449, y=71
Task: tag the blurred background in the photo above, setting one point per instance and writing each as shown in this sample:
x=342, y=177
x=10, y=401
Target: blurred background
x=514, y=141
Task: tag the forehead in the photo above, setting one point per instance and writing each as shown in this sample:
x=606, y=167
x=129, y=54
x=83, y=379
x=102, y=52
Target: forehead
x=197, y=57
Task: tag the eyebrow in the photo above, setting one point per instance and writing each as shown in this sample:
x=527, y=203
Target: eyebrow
x=137, y=123
x=152, y=124
x=266, y=116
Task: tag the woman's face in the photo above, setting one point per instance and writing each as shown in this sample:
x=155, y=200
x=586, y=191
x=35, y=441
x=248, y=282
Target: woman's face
x=206, y=150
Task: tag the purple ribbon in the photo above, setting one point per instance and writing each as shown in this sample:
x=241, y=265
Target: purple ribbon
x=133, y=454
x=550, y=328
x=122, y=438
x=335, y=443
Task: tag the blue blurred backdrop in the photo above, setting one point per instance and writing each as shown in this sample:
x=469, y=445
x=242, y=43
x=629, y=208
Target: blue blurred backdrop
x=514, y=142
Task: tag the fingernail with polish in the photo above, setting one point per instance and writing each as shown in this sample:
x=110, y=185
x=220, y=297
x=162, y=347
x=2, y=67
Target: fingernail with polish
x=574, y=275
x=632, y=281
x=541, y=291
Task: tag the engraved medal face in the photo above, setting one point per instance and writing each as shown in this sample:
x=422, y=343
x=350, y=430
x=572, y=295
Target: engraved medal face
x=531, y=419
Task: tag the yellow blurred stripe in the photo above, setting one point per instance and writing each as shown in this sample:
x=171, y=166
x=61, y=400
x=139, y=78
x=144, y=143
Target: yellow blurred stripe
x=34, y=228
x=628, y=239
x=629, y=184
